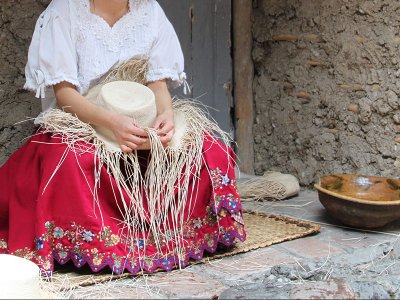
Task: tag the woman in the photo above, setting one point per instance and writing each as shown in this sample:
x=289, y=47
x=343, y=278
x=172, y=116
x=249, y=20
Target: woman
x=50, y=208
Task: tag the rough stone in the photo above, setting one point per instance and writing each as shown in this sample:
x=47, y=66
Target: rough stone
x=335, y=289
x=396, y=118
x=392, y=99
x=186, y=285
x=369, y=290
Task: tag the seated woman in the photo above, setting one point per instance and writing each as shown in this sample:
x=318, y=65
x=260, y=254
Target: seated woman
x=65, y=196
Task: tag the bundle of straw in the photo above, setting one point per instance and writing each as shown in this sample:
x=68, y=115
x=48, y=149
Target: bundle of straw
x=270, y=186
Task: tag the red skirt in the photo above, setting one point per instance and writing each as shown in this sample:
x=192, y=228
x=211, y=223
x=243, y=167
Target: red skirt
x=48, y=212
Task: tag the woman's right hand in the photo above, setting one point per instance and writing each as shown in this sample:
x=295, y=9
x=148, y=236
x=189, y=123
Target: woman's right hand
x=127, y=133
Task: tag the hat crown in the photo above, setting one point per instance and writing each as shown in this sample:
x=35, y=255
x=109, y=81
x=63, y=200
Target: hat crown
x=19, y=278
x=137, y=101
x=130, y=99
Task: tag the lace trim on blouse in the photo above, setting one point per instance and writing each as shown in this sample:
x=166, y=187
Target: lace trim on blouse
x=39, y=85
x=113, y=37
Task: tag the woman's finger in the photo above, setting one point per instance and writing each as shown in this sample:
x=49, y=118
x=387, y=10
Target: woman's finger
x=166, y=129
x=126, y=149
x=157, y=123
x=166, y=138
x=134, y=139
x=137, y=131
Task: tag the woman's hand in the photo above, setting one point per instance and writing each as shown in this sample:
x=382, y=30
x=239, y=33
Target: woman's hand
x=164, y=124
x=127, y=133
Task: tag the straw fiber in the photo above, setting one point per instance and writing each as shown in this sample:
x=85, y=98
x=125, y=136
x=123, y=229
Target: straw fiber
x=262, y=230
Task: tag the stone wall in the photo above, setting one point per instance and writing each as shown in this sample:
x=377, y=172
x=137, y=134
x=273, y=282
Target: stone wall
x=17, y=20
x=327, y=84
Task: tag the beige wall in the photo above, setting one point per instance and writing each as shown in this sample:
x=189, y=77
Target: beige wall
x=326, y=87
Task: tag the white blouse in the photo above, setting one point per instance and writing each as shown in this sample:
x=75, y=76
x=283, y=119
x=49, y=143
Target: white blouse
x=72, y=44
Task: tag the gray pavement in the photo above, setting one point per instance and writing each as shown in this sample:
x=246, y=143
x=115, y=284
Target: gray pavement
x=336, y=263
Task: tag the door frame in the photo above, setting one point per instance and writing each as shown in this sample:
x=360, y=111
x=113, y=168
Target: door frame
x=243, y=75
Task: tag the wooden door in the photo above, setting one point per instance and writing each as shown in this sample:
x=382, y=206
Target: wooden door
x=204, y=30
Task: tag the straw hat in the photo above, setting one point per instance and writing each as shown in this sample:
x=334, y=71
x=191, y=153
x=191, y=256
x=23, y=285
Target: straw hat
x=19, y=279
x=136, y=101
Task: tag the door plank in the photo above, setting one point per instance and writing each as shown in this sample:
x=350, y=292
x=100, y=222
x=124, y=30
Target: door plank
x=204, y=29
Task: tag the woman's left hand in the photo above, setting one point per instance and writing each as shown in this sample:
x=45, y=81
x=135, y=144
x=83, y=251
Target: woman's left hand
x=164, y=124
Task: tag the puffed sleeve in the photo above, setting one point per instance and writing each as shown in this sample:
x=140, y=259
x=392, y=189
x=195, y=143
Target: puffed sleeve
x=166, y=58
x=51, y=56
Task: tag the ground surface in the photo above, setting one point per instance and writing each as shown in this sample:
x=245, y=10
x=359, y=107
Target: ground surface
x=337, y=263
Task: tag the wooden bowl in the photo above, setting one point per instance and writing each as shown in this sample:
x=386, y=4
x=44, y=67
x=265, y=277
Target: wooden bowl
x=360, y=201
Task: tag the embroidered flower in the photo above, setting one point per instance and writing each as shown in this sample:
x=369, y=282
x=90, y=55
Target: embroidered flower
x=46, y=265
x=215, y=176
x=197, y=223
x=234, y=184
x=94, y=251
x=97, y=260
x=209, y=240
x=146, y=262
x=78, y=256
x=105, y=236
x=217, y=200
x=117, y=264
x=227, y=237
x=211, y=218
x=63, y=254
x=189, y=232
x=223, y=212
x=49, y=225
x=3, y=244
x=240, y=228
x=117, y=261
x=150, y=239
x=233, y=202
x=196, y=251
x=168, y=236
x=58, y=233
x=25, y=253
x=75, y=234
x=225, y=180
x=87, y=236
x=139, y=243
x=165, y=261
x=39, y=243
x=115, y=239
